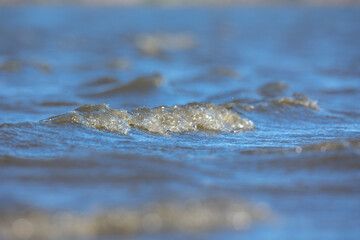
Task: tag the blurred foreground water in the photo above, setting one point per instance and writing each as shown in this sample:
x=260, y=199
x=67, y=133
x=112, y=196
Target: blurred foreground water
x=179, y=122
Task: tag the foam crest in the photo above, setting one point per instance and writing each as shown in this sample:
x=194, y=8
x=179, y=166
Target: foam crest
x=188, y=118
x=99, y=117
x=298, y=100
x=163, y=120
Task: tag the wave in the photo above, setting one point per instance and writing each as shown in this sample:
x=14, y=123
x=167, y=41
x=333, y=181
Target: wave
x=272, y=89
x=327, y=146
x=139, y=85
x=190, y=216
x=333, y=145
x=155, y=44
x=191, y=117
x=101, y=81
x=17, y=65
x=297, y=100
x=57, y=103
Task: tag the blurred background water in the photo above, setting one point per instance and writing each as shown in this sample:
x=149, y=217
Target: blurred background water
x=223, y=122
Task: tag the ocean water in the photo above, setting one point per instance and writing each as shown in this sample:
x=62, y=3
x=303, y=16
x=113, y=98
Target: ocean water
x=237, y=122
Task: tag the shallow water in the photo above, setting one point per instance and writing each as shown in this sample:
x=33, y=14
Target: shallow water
x=215, y=123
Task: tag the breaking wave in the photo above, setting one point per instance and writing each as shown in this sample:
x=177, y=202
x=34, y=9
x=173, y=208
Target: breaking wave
x=298, y=100
x=163, y=120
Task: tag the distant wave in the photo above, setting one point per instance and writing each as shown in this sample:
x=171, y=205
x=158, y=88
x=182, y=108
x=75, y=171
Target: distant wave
x=325, y=146
x=155, y=44
x=296, y=100
x=138, y=85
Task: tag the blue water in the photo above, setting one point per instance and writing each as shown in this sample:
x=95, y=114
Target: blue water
x=300, y=164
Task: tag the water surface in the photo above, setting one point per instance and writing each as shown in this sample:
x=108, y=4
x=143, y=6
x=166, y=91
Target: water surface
x=179, y=122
